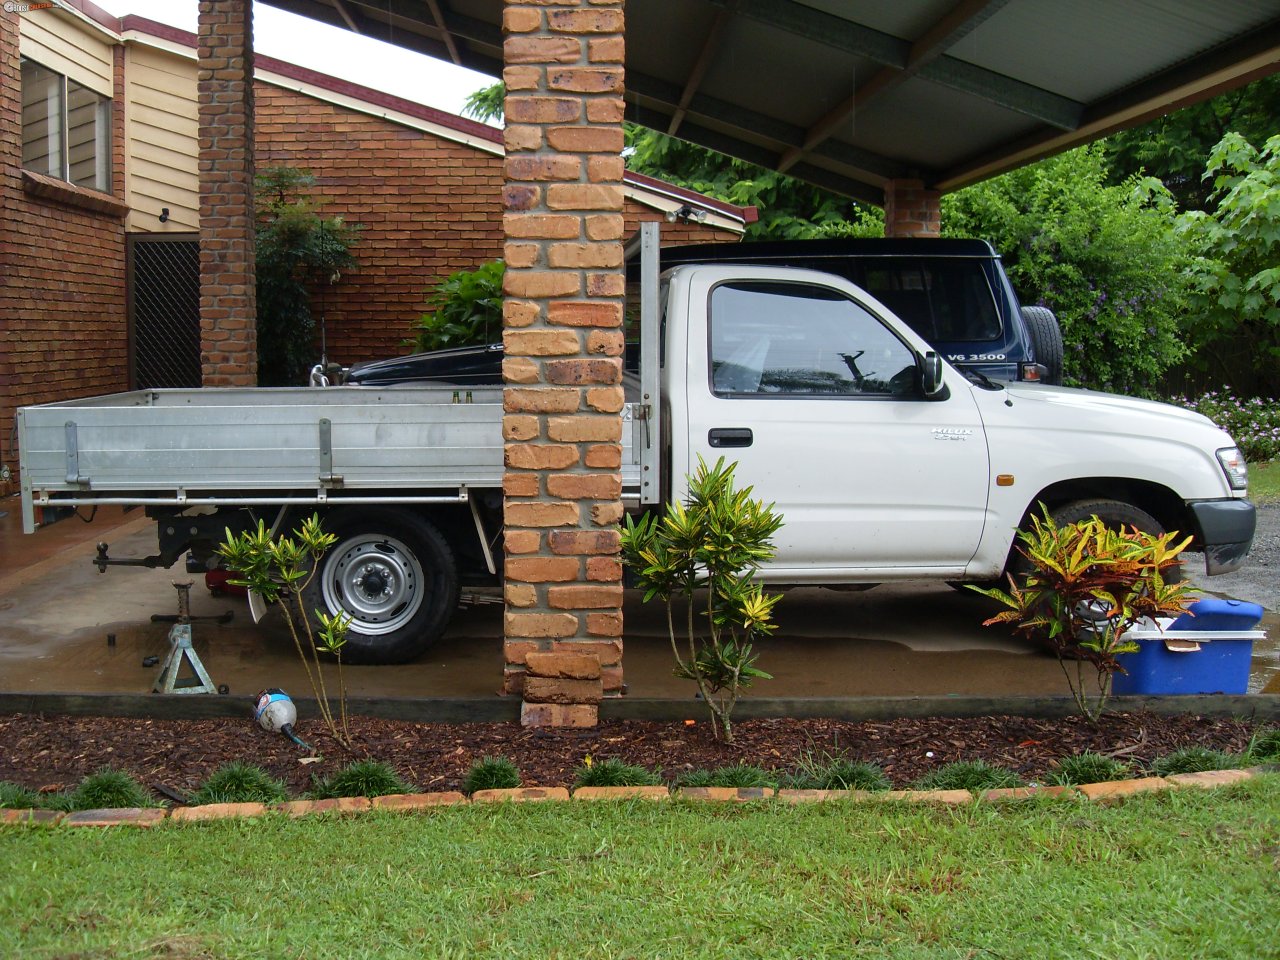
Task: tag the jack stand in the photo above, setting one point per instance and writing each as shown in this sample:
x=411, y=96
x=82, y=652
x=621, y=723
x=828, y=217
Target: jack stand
x=180, y=649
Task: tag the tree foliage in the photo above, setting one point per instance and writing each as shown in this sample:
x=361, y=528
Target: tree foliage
x=1175, y=148
x=486, y=103
x=297, y=250
x=1235, y=292
x=1103, y=257
x=789, y=208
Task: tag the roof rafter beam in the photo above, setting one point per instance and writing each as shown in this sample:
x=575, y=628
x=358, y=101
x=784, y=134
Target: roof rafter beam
x=445, y=34
x=1216, y=71
x=948, y=31
x=346, y=16
x=888, y=50
x=779, y=134
x=709, y=50
x=727, y=144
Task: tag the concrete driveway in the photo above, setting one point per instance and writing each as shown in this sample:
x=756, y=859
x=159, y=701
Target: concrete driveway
x=914, y=639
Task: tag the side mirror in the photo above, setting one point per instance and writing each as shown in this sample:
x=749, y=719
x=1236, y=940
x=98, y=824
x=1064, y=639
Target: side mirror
x=931, y=382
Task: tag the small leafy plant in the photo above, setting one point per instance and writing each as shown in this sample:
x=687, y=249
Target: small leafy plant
x=714, y=542
x=361, y=778
x=972, y=775
x=1087, y=767
x=613, y=772
x=491, y=773
x=1088, y=585
x=279, y=569
x=108, y=789
x=465, y=309
x=239, y=783
x=829, y=772
x=1194, y=760
x=737, y=775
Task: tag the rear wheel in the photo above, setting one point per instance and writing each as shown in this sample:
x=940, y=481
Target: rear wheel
x=394, y=575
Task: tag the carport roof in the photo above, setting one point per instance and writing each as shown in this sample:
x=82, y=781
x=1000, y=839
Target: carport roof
x=849, y=94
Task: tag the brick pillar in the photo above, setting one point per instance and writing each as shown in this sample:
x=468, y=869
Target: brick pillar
x=10, y=191
x=910, y=210
x=228, y=334
x=118, y=108
x=563, y=368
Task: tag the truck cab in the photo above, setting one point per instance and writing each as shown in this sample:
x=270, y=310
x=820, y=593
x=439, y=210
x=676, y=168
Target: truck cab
x=953, y=293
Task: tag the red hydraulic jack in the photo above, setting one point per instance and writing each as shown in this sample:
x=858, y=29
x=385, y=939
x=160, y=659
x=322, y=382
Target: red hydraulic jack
x=180, y=650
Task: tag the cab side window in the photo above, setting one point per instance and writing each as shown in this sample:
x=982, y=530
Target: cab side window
x=793, y=339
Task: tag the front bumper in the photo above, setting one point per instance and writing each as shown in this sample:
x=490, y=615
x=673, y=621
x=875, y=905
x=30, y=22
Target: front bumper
x=1225, y=528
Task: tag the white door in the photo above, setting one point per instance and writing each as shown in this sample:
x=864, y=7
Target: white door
x=819, y=402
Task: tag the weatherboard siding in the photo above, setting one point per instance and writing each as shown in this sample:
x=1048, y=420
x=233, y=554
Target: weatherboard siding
x=70, y=47
x=163, y=141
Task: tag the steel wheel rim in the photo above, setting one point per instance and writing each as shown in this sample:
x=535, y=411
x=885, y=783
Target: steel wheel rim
x=377, y=581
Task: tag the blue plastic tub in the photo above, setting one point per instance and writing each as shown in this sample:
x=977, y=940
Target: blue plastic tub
x=1224, y=631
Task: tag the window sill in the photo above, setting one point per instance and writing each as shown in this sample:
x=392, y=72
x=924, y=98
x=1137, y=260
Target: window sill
x=51, y=188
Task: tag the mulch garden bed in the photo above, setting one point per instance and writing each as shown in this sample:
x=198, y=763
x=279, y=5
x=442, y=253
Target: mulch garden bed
x=175, y=756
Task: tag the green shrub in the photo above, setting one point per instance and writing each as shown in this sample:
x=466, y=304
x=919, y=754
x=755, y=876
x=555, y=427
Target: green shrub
x=1264, y=747
x=1087, y=767
x=491, y=773
x=1253, y=423
x=362, y=778
x=706, y=550
x=239, y=783
x=1105, y=258
x=107, y=789
x=973, y=775
x=614, y=773
x=15, y=797
x=466, y=308
x=297, y=253
x=836, y=773
x=738, y=775
x=1194, y=760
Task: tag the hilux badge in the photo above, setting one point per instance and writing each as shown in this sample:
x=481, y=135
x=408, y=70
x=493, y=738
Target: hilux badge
x=952, y=433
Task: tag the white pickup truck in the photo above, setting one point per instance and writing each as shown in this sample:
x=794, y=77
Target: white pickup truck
x=885, y=462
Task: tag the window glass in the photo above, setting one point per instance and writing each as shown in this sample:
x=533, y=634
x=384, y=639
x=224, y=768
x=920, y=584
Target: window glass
x=942, y=300
x=88, y=138
x=66, y=129
x=41, y=119
x=802, y=340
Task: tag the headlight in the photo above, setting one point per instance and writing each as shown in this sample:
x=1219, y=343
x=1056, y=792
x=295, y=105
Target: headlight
x=1235, y=468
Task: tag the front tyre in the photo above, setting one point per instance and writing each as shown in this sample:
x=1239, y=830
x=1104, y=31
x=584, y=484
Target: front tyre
x=394, y=575
x=1115, y=514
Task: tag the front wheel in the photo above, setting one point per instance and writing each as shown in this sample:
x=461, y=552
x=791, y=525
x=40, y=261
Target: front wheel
x=394, y=575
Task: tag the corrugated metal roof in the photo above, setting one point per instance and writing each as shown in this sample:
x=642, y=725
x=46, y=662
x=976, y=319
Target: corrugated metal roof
x=851, y=93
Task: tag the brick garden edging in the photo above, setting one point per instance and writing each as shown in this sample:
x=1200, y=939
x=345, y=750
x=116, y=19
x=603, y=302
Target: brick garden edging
x=1107, y=792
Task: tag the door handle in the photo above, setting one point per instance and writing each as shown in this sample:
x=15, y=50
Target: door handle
x=730, y=437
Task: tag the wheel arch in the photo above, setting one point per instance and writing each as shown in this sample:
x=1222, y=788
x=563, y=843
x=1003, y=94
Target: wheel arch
x=1156, y=499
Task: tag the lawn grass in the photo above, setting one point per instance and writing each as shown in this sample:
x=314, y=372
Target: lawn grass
x=1264, y=482
x=1176, y=874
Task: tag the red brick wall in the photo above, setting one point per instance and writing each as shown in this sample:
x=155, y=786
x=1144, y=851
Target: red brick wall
x=228, y=301
x=429, y=206
x=63, y=330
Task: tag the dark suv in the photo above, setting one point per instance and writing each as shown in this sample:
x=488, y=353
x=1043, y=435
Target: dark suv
x=954, y=293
